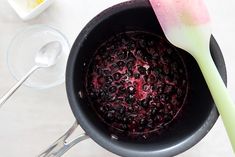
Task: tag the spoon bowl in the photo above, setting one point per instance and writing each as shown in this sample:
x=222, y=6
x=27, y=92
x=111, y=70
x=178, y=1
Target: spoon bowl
x=48, y=54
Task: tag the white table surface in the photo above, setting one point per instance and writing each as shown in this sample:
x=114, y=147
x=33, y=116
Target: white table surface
x=32, y=119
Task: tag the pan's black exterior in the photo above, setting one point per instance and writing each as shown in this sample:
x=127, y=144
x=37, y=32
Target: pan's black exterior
x=198, y=116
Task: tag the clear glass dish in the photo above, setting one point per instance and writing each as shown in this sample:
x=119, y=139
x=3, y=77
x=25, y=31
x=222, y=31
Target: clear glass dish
x=21, y=54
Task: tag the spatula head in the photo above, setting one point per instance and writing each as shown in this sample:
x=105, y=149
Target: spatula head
x=186, y=23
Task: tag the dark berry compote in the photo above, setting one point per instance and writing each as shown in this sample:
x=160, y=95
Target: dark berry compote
x=137, y=83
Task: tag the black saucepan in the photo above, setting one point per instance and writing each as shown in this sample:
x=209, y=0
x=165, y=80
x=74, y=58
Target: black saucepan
x=200, y=113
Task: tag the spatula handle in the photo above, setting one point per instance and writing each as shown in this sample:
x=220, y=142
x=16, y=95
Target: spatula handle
x=219, y=92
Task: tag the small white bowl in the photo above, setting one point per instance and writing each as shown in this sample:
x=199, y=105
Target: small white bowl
x=27, y=13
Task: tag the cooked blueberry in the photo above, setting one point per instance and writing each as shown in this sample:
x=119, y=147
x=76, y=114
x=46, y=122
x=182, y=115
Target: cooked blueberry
x=100, y=80
x=108, y=97
x=181, y=71
x=112, y=98
x=111, y=59
x=131, y=56
x=142, y=70
x=166, y=70
x=106, y=86
x=179, y=92
x=122, y=54
x=152, y=103
x=139, y=53
x=150, y=43
x=124, y=126
x=146, y=78
x=102, y=94
x=123, y=80
x=131, y=90
x=163, y=98
x=168, y=117
x=174, y=101
x=130, y=65
x=109, y=79
x=119, y=119
x=151, y=79
x=142, y=121
x=161, y=111
x=168, y=106
x=112, y=89
x=171, y=113
x=117, y=76
x=129, y=73
x=99, y=71
x=154, y=111
x=129, y=119
x=154, y=87
x=92, y=94
x=122, y=89
x=105, y=55
x=110, y=116
x=124, y=119
x=174, y=66
x=130, y=108
x=130, y=99
x=146, y=87
x=122, y=110
x=157, y=70
x=142, y=43
x=169, y=51
x=133, y=122
x=140, y=129
x=137, y=108
x=101, y=108
x=147, y=58
x=160, y=90
x=150, y=123
x=120, y=64
x=117, y=84
x=124, y=41
x=114, y=66
x=106, y=72
x=137, y=75
x=132, y=46
x=144, y=103
x=167, y=89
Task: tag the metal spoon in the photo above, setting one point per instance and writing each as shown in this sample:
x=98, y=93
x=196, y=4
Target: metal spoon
x=45, y=57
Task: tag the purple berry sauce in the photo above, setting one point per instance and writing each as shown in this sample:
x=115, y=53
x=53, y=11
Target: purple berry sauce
x=137, y=83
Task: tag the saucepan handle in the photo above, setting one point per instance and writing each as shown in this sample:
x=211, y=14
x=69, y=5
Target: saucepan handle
x=60, y=147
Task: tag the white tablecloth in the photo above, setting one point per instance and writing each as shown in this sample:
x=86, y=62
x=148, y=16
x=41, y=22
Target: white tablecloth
x=32, y=119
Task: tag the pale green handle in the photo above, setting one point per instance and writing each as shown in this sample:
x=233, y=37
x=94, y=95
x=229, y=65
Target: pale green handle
x=219, y=92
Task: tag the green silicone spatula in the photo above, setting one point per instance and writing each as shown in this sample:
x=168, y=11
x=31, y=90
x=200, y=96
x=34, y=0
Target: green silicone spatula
x=186, y=24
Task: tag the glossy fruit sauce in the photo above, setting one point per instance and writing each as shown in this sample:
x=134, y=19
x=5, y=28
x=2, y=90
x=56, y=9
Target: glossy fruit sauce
x=137, y=83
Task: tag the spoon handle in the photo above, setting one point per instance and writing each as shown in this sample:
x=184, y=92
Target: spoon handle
x=219, y=92
x=16, y=86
